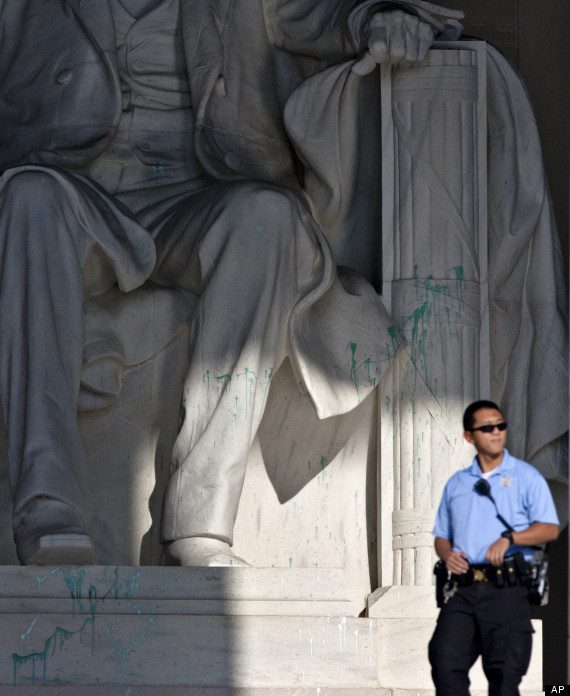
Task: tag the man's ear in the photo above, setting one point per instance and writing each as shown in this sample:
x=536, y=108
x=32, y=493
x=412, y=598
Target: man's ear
x=469, y=437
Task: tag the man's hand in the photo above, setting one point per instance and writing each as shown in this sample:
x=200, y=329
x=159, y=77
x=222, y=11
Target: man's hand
x=496, y=552
x=394, y=37
x=537, y=533
x=456, y=562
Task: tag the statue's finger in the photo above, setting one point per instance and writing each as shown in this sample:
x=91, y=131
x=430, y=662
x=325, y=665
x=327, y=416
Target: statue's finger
x=412, y=45
x=397, y=42
x=378, y=42
x=364, y=66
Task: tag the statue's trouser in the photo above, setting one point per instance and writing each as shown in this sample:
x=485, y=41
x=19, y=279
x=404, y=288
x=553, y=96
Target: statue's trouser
x=43, y=248
x=257, y=257
x=247, y=249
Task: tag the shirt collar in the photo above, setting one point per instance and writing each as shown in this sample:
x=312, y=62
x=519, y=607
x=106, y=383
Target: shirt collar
x=507, y=462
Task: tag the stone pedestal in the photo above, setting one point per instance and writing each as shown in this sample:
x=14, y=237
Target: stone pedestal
x=153, y=626
x=154, y=630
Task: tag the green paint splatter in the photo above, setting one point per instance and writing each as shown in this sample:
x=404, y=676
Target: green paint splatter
x=223, y=378
x=57, y=639
x=369, y=376
x=432, y=320
x=158, y=173
x=395, y=341
x=60, y=635
x=353, y=375
x=268, y=376
x=356, y=507
x=74, y=585
x=460, y=282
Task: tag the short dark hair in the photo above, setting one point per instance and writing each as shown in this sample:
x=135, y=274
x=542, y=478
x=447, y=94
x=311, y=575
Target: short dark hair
x=471, y=410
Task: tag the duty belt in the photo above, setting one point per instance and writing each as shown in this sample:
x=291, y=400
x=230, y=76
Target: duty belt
x=480, y=575
x=514, y=571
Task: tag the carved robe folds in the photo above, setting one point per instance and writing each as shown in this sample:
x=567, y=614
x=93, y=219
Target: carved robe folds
x=467, y=237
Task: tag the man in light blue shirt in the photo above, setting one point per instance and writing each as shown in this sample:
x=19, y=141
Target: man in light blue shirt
x=487, y=615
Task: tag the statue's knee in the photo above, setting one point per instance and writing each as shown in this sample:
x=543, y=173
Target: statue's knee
x=27, y=188
x=272, y=205
x=271, y=217
x=35, y=205
x=265, y=227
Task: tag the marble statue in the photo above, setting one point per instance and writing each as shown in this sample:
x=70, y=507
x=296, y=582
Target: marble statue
x=222, y=148
x=142, y=141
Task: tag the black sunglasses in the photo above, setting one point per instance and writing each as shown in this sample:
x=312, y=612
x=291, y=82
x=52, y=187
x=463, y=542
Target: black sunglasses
x=490, y=428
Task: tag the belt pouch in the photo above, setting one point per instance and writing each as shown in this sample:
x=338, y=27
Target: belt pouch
x=510, y=571
x=499, y=577
x=523, y=568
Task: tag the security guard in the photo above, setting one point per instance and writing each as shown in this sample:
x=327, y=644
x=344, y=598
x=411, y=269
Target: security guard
x=488, y=614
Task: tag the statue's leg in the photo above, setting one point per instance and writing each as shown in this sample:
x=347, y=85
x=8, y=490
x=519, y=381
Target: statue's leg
x=43, y=247
x=256, y=256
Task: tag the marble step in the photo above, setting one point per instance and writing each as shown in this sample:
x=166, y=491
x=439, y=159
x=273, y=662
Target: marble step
x=153, y=582
x=196, y=628
x=84, y=631
x=188, y=607
x=173, y=591
x=191, y=651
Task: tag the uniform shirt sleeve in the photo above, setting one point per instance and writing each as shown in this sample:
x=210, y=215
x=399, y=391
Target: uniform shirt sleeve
x=539, y=502
x=442, y=527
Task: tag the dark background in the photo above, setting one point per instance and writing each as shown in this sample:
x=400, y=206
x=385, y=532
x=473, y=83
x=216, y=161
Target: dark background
x=535, y=36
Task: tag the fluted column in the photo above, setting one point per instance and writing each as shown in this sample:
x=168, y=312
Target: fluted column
x=435, y=285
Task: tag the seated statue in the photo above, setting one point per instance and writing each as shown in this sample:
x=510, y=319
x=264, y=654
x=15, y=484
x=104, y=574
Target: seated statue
x=144, y=142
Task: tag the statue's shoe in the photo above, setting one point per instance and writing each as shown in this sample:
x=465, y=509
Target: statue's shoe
x=50, y=532
x=56, y=548
x=201, y=552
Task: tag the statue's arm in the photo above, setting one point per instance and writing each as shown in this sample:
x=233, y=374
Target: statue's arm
x=395, y=32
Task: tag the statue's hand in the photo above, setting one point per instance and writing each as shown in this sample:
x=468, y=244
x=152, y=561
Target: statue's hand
x=394, y=37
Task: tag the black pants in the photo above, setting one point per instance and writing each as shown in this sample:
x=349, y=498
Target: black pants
x=482, y=620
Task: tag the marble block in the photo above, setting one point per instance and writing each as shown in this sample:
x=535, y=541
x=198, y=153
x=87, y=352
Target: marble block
x=406, y=620
x=154, y=626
